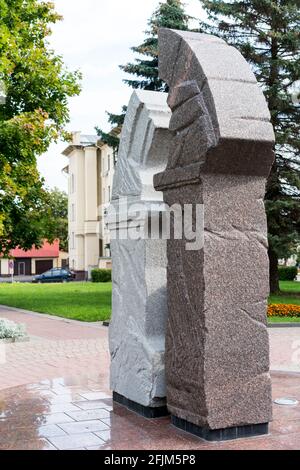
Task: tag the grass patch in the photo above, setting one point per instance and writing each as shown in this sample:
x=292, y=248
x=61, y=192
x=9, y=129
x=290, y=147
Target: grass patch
x=290, y=294
x=91, y=302
x=283, y=320
x=83, y=301
x=292, y=287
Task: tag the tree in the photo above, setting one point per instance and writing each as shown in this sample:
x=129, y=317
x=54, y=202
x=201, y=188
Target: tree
x=267, y=32
x=32, y=115
x=116, y=120
x=169, y=14
x=56, y=220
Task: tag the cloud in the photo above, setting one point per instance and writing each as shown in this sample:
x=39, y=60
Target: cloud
x=95, y=37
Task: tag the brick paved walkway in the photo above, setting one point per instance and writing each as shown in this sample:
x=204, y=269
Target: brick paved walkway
x=57, y=348
x=67, y=404
x=64, y=348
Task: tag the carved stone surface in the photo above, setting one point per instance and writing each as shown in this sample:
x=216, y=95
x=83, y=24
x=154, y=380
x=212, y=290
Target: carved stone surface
x=137, y=329
x=217, y=348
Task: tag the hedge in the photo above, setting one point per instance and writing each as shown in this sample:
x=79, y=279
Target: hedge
x=101, y=275
x=284, y=310
x=287, y=273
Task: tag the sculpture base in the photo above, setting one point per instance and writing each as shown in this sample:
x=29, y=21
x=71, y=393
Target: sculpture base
x=146, y=411
x=226, y=434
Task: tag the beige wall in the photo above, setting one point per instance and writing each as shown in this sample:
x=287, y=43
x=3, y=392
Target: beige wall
x=105, y=263
x=4, y=267
x=90, y=172
x=76, y=208
x=107, y=175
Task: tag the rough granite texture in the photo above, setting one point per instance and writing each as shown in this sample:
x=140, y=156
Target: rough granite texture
x=217, y=349
x=139, y=304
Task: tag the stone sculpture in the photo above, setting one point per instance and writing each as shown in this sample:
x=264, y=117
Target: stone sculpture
x=137, y=329
x=217, y=348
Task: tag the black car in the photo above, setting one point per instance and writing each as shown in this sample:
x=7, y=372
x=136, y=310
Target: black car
x=55, y=275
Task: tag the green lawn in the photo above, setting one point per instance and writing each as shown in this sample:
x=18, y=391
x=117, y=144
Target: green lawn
x=290, y=294
x=83, y=301
x=90, y=302
x=283, y=320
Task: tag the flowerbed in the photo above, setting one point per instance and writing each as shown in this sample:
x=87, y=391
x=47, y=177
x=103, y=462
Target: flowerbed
x=284, y=310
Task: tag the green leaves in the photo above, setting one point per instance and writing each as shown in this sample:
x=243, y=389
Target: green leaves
x=34, y=115
x=267, y=32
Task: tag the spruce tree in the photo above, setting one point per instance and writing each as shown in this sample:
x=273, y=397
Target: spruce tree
x=267, y=32
x=169, y=14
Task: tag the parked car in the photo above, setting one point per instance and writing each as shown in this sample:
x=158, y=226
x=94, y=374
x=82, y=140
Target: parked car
x=55, y=275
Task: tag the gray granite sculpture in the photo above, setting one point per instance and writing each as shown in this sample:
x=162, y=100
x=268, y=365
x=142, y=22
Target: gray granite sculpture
x=217, y=349
x=139, y=304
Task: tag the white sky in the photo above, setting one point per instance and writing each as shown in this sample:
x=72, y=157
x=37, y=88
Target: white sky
x=95, y=37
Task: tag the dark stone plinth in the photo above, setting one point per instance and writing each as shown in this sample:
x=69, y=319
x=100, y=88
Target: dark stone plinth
x=146, y=411
x=227, y=434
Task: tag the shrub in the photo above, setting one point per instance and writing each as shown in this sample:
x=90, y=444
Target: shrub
x=287, y=273
x=101, y=275
x=284, y=310
x=11, y=330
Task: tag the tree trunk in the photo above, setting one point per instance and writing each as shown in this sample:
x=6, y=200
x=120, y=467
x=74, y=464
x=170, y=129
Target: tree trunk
x=274, y=277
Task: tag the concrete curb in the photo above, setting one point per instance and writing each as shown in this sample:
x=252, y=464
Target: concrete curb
x=105, y=324
x=98, y=325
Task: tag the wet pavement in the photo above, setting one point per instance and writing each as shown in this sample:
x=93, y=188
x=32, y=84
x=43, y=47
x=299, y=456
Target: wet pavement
x=79, y=414
x=54, y=394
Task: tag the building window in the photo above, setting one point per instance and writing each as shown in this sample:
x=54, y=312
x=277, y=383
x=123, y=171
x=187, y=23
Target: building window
x=103, y=196
x=109, y=194
x=115, y=154
x=108, y=163
x=107, y=251
x=72, y=183
x=103, y=165
x=73, y=241
x=73, y=212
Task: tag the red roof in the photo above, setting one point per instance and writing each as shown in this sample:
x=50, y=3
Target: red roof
x=47, y=251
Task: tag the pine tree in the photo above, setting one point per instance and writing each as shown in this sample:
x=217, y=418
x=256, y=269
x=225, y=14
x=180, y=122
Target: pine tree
x=116, y=120
x=267, y=32
x=169, y=14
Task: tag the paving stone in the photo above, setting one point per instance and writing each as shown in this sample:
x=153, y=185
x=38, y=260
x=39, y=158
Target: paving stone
x=76, y=441
x=51, y=430
x=93, y=405
x=56, y=418
x=86, y=415
x=95, y=395
x=62, y=408
x=84, y=426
